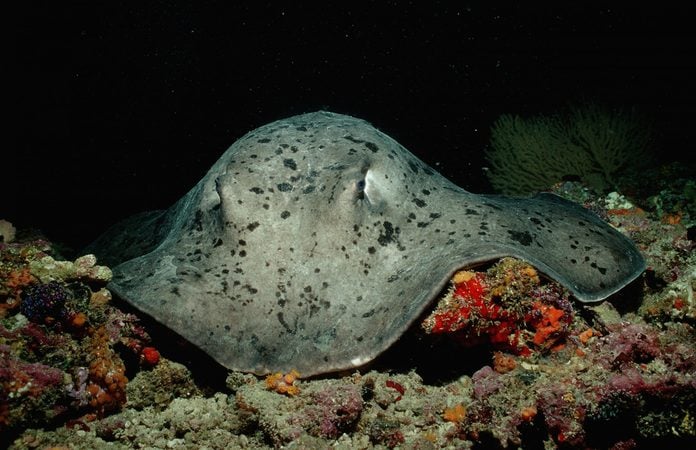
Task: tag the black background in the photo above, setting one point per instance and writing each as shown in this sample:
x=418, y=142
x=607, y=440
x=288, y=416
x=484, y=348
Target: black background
x=118, y=107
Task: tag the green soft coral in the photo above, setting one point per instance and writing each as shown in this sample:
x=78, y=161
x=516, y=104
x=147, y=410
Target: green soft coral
x=589, y=142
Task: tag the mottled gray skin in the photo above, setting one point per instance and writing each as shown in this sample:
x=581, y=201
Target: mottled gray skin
x=315, y=241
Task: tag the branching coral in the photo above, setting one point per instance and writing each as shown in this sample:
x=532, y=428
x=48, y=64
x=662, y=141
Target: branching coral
x=590, y=142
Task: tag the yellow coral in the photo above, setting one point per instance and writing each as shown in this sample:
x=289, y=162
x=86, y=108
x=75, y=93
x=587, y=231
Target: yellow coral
x=283, y=383
x=455, y=414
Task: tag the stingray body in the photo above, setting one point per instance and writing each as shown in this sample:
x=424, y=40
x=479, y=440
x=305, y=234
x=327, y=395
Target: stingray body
x=314, y=242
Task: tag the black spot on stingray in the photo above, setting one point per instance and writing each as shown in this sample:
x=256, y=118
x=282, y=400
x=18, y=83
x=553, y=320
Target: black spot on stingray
x=536, y=221
x=419, y=203
x=290, y=164
x=602, y=270
x=387, y=235
x=523, y=237
x=435, y=215
x=307, y=289
x=371, y=250
x=372, y=147
x=352, y=139
x=265, y=206
x=281, y=319
x=217, y=243
x=252, y=226
x=284, y=187
x=285, y=214
x=301, y=128
x=242, y=242
x=471, y=212
x=425, y=192
x=308, y=189
x=263, y=140
x=256, y=190
x=242, y=253
x=422, y=224
x=369, y=313
x=175, y=291
x=413, y=166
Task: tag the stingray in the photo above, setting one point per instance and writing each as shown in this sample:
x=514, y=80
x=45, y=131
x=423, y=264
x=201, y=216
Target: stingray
x=314, y=242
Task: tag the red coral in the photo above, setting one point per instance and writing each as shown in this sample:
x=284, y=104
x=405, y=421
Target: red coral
x=397, y=387
x=506, y=306
x=149, y=356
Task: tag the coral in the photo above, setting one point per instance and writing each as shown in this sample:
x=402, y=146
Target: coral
x=589, y=142
x=149, y=356
x=283, y=383
x=30, y=393
x=107, y=374
x=44, y=303
x=385, y=432
x=507, y=305
x=7, y=231
x=84, y=268
x=160, y=386
x=334, y=410
x=455, y=414
x=398, y=387
x=617, y=374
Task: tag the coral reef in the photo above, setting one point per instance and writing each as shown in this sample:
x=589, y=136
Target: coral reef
x=589, y=142
x=77, y=372
x=58, y=338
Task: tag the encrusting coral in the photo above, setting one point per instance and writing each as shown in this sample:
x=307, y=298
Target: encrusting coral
x=508, y=306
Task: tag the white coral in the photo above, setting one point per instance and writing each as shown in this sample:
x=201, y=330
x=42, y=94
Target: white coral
x=7, y=231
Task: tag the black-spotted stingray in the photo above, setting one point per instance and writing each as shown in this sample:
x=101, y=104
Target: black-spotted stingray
x=314, y=242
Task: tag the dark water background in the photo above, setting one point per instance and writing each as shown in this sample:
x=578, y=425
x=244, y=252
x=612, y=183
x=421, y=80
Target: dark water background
x=118, y=107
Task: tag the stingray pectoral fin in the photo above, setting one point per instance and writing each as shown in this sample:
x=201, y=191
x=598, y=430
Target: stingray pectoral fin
x=129, y=238
x=569, y=244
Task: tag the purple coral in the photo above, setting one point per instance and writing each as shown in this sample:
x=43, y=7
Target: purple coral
x=41, y=301
x=336, y=409
x=486, y=382
x=629, y=343
x=78, y=390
